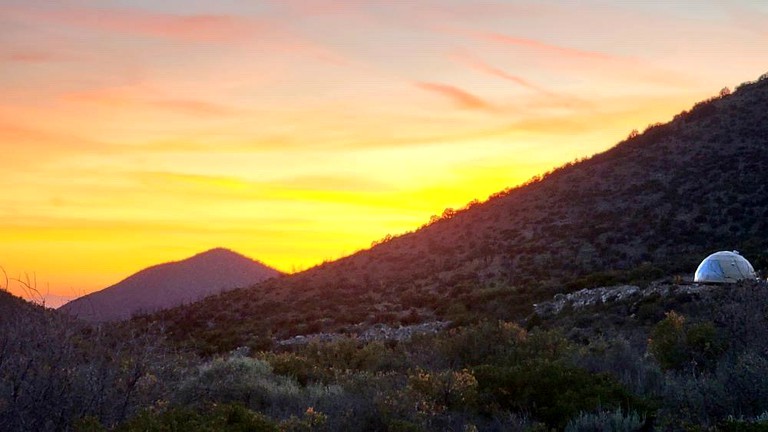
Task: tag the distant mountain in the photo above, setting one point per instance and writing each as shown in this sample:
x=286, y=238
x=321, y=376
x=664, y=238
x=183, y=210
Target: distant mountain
x=171, y=284
x=655, y=204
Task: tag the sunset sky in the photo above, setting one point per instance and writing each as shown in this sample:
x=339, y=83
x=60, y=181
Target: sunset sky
x=139, y=132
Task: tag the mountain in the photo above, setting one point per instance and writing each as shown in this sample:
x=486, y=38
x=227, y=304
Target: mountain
x=656, y=203
x=171, y=284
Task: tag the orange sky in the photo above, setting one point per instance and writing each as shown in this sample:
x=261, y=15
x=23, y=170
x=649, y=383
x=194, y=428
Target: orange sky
x=294, y=132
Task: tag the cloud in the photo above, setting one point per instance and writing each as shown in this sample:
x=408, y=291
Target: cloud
x=187, y=28
x=39, y=142
x=460, y=97
x=545, y=47
x=19, y=56
x=349, y=183
x=222, y=29
x=195, y=107
x=585, y=61
x=249, y=188
x=197, y=180
x=481, y=66
x=139, y=96
x=747, y=17
x=317, y=7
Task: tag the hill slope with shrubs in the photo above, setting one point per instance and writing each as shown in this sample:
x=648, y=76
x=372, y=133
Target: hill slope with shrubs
x=664, y=355
x=655, y=204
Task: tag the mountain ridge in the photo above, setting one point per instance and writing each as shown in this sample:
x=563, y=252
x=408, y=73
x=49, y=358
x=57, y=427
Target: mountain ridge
x=170, y=284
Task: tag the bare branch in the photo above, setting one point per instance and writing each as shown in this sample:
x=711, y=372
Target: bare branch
x=4, y=287
x=30, y=289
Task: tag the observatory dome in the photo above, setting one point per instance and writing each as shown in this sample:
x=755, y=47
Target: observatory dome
x=724, y=267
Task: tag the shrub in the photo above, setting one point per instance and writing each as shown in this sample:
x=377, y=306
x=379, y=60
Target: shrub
x=293, y=366
x=606, y=421
x=241, y=380
x=737, y=387
x=677, y=345
x=230, y=418
x=489, y=341
x=439, y=391
x=311, y=421
x=552, y=392
x=756, y=424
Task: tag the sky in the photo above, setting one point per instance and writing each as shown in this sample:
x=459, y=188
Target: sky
x=135, y=132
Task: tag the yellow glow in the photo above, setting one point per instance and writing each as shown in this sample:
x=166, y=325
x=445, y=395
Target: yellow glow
x=135, y=136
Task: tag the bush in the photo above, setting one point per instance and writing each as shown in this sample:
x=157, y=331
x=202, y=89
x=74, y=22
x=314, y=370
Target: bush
x=552, y=392
x=236, y=379
x=678, y=345
x=437, y=392
x=737, y=387
x=756, y=424
x=293, y=366
x=606, y=421
x=312, y=421
x=496, y=343
x=250, y=382
x=229, y=418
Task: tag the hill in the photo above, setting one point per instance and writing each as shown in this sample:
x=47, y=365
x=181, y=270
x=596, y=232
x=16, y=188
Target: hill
x=170, y=284
x=12, y=306
x=654, y=204
x=663, y=355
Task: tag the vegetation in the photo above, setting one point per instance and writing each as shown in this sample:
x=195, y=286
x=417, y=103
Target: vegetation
x=650, y=207
x=692, y=358
x=689, y=362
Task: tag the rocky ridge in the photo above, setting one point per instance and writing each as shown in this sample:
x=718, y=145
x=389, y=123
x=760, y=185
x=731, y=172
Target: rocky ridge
x=601, y=295
x=377, y=332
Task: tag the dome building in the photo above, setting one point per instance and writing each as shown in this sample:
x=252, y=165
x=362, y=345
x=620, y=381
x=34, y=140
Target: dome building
x=724, y=267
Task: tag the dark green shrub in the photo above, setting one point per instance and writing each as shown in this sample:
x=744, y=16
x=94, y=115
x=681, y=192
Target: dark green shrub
x=605, y=421
x=292, y=365
x=218, y=418
x=676, y=344
x=758, y=424
x=552, y=392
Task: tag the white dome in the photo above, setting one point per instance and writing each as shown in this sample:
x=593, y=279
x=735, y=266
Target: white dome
x=724, y=267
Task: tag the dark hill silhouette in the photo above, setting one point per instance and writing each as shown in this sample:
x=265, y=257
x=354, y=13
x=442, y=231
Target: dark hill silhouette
x=11, y=305
x=170, y=284
x=657, y=203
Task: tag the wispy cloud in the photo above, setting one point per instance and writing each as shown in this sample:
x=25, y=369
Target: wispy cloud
x=349, y=183
x=32, y=56
x=544, y=47
x=30, y=140
x=747, y=18
x=190, y=28
x=461, y=98
x=195, y=107
x=317, y=7
x=481, y=66
x=585, y=61
x=279, y=189
x=133, y=96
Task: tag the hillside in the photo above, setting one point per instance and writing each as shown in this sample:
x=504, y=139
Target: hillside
x=12, y=306
x=665, y=354
x=655, y=204
x=170, y=284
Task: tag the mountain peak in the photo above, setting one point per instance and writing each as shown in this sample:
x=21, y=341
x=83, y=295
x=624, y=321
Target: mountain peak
x=171, y=284
x=218, y=251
